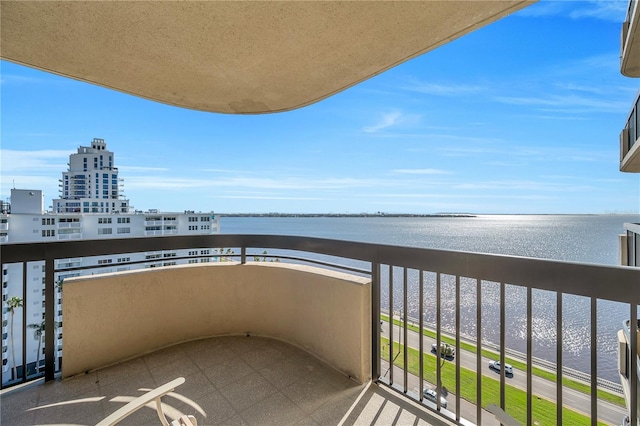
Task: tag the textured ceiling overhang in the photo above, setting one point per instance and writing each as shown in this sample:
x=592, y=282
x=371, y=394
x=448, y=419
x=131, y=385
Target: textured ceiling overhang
x=233, y=57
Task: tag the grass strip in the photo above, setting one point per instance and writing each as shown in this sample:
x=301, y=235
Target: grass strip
x=543, y=410
x=536, y=371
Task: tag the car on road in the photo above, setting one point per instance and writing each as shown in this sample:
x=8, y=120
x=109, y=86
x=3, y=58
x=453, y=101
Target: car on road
x=432, y=396
x=446, y=350
x=495, y=365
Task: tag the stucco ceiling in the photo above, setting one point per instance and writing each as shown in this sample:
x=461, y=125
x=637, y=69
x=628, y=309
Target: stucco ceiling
x=233, y=57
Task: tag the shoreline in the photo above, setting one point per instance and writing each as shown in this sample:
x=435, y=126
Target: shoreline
x=446, y=215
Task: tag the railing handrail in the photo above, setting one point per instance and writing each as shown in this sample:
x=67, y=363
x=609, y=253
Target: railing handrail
x=598, y=282
x=580, y=279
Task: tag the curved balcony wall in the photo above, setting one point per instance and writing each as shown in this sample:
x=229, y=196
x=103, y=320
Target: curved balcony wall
x=113, y=317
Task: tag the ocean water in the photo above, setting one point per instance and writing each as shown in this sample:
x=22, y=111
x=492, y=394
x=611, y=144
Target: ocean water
x=574, y=238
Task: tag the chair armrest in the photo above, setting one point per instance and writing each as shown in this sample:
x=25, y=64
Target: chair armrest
x=133, y=406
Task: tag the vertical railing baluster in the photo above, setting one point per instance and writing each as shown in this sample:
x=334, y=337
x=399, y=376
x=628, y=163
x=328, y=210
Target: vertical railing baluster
x=243, y=255
x=404, y=321
x=50, y=319
x=420, y=331
x=478, y=351
x=633, y=368
x=529, y=357
x=594, y=362
x=559, y=358
x=375, y=321
x=458, y=348
x=503, y=366
x=391, y=324
x=25, y=296
x=3, y=307
x=438, y=340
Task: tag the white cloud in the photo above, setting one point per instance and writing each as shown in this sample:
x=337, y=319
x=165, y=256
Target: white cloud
x=142, y=169
x=606, y=10
x=386, y=121
x=287, y=183
x=422, y=171
x=567, y=103
x=522, y=186
x=272, y=197
x=441, y=89
x=30, y=161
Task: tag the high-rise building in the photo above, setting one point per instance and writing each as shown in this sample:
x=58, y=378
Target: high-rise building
x=91, y=185
x=90, y=207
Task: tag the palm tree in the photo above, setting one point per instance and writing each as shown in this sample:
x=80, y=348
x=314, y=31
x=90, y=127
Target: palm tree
x=14, y=303
x=446, y=352
x=38, y=330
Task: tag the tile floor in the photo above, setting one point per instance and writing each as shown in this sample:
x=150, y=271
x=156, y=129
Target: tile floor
x=233, y=380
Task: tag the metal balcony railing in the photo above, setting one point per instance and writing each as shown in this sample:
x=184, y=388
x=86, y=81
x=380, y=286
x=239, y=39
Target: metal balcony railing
x=409, y=284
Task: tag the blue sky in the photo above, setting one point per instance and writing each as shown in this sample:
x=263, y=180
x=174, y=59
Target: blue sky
x=522, y=116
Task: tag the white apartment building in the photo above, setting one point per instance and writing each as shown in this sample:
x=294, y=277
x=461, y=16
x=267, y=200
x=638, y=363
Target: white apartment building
x=90, y=207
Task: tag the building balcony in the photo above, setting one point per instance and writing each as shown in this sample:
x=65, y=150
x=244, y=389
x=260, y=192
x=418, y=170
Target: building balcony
x=630, y=245
x=630, y=42
x=629, y=145
x=306, y=339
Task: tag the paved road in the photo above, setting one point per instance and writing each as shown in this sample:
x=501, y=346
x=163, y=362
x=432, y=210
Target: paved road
x=578, y=401
x=467, y=409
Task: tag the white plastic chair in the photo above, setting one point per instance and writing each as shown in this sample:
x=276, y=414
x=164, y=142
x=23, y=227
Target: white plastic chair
x=155, y=394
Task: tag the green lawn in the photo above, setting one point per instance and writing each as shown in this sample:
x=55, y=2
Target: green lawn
x=543, y=411
x=569, y=383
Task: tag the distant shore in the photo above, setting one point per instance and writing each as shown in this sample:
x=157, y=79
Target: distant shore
x=344, y=215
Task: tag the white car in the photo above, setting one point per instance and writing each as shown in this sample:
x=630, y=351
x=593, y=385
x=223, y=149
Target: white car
x=495, y=365
x=432, y=396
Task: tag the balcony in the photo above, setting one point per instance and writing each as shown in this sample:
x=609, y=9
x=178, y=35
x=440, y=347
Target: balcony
x=229, y=380
x=629, y=146
x=338, y=310
x=630, y=42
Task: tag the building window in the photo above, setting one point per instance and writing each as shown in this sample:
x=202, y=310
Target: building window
x=104, y=261
x=204, y=219
x=204, y=252
x=105, y=231
x=124, y=230
x=104, y=220
x=124, y=220
x=48, y=232
x=68, y=219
